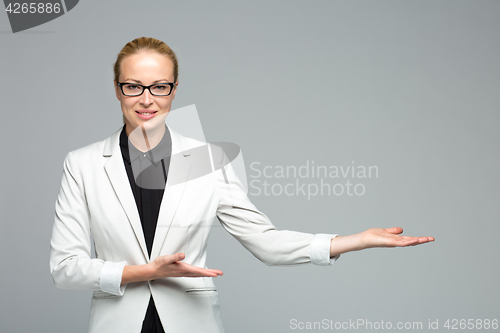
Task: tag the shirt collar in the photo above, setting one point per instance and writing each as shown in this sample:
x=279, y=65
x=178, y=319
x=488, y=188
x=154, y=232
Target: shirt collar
x=159, y=152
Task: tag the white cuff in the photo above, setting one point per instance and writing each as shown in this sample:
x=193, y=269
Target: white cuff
x=320, y=250
x=111, y=277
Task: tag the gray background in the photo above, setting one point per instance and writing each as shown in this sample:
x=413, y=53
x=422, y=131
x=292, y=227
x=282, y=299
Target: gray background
x=409, y=86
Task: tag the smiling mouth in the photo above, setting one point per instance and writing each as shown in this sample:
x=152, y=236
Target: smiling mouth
x=146, y=113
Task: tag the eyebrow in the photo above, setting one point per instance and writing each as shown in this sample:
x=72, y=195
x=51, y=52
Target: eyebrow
x=138, y=81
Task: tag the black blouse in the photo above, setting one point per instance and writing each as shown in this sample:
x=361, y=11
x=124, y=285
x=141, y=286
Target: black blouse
x=150, y=169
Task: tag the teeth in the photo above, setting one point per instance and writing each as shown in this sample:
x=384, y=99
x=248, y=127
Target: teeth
x=146, y=113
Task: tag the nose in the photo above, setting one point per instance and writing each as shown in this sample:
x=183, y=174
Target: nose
x=147, y=98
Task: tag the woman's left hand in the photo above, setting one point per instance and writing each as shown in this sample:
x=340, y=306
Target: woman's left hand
x=374, y=237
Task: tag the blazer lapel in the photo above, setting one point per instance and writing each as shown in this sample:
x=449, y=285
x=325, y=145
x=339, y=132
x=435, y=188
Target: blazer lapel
x=177, y=177
x=117, y=175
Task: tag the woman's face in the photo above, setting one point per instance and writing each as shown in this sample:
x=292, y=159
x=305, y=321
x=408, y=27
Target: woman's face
x=145, y=68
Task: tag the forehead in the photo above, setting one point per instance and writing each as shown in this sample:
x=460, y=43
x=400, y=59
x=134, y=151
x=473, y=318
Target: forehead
x=147, y=65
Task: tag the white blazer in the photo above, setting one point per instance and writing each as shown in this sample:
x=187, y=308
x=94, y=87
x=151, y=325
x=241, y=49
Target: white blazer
x=96, y=201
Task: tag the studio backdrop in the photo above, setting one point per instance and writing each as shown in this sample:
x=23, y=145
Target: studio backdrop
x=348, y=115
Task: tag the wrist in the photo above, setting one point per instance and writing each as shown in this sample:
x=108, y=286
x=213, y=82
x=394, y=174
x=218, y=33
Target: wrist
x=343, y=244
x=149, y=271
x=138, y=273
x=358, y=242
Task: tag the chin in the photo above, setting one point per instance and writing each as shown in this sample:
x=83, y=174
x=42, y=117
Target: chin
x=155, y=122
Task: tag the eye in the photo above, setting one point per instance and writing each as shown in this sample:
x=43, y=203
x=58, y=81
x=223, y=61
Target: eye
x=131, y=87
x=160, y=87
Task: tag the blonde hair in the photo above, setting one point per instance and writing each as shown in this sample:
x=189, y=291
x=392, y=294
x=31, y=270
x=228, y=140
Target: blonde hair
x=145, y=44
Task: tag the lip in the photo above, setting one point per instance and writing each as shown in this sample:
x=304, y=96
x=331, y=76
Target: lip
x=144, y=116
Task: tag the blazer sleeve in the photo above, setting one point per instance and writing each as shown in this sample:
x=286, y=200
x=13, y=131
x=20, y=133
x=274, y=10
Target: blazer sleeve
x=71, y=264
x=254, y=230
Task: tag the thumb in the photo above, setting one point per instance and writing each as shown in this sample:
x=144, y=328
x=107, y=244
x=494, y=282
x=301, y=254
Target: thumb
x=171, y=258
x=394, y=230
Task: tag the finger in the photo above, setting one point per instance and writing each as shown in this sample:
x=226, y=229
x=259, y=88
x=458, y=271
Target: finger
x=212, y=272
x=170, y=258
x=198, y=271
x=421, y=240
x=179, y=256
x=206, y=273
x=398, y=240
x=405, y=238
x=216, y=271
x=394, y=230
x=426, y=239
x=408, y=242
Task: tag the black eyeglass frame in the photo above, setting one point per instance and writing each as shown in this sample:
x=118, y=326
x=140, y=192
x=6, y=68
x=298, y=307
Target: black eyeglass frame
x=172, y=85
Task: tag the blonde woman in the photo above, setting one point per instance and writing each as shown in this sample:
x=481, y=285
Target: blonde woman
x=149, y=274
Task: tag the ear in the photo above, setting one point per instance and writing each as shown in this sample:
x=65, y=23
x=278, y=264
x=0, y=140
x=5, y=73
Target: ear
x=175, y=89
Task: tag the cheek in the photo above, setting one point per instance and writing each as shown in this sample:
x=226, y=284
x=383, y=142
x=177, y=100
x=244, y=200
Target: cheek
x=165, y=105
x=127, y=105
x=170, y=100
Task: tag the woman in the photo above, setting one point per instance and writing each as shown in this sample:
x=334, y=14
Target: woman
x=144, y=197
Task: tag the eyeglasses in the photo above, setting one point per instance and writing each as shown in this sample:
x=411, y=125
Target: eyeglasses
x=135, y=89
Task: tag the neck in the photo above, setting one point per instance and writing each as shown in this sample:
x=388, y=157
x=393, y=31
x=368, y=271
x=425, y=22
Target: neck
x=145, y=139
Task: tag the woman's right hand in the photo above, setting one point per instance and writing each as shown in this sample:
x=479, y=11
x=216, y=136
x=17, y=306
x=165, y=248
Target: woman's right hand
x=170, y=265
